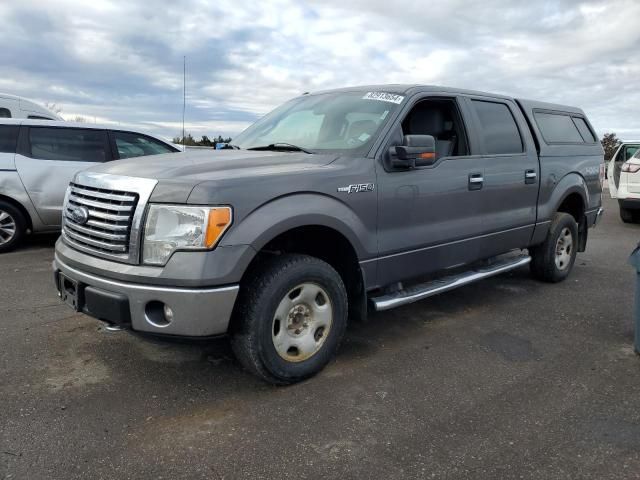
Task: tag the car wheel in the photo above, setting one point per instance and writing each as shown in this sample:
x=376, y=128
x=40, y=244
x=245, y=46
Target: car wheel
x=12, y=226
x=553, y=260
x=627, y=215
x=290, y=318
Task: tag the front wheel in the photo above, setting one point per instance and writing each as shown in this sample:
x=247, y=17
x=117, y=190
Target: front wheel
x=553, y=260
x=290, y=319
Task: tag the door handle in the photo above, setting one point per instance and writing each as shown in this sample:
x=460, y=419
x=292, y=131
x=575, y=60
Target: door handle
x=475, y=181
x=530, y=176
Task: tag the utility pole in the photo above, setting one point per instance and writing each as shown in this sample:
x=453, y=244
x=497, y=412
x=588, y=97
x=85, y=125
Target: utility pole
x=184, y=97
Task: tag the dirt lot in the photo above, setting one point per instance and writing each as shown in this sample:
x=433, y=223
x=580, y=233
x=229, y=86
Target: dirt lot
x=508, y=378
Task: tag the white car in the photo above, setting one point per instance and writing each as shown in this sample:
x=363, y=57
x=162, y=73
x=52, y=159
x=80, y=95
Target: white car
x=624, y=180
x=18, y=107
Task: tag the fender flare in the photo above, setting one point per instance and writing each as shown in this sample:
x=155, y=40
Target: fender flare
x=282, y=214
x=568, y=185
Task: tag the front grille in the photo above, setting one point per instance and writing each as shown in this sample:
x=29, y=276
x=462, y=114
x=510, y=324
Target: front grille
x=108, y=226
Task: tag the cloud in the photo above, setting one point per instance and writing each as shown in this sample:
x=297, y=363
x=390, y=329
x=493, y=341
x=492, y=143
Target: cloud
x=121, y=61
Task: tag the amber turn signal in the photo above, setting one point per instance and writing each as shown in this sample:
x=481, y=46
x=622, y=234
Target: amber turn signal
x=219, y=221
x=427, y=156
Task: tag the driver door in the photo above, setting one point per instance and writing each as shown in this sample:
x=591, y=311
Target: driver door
x=430, y=218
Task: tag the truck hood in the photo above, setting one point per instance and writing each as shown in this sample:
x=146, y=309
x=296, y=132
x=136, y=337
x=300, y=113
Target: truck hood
x=193, y=167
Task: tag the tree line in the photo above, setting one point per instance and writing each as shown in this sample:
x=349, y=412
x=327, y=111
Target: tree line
x=205, y=141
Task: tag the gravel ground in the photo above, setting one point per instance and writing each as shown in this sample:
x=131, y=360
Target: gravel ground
x=507, y=378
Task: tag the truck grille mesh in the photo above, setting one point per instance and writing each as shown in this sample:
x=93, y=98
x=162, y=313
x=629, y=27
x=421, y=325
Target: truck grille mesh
x=108, y=225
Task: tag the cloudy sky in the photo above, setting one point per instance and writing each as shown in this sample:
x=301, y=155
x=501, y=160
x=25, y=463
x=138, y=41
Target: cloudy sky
x=121, y=60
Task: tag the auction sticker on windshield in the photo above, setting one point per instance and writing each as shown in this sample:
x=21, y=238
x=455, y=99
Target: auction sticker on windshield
x=384, y=97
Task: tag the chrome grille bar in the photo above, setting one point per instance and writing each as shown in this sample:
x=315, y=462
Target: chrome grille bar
x=107, y=224
x=103, y=215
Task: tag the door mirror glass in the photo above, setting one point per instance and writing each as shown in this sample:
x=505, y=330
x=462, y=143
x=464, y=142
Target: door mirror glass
x=415, y=151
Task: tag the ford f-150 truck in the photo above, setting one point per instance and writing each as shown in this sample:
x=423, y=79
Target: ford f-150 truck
x=334, y=203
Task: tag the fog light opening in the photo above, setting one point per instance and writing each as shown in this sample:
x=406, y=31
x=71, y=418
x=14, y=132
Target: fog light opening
x=159, y=314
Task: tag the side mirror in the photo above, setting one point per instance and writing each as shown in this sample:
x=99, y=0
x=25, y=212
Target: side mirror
x=415, y=151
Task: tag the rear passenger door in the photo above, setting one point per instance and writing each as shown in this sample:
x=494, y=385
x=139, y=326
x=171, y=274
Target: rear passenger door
x=510, y=173
x=49, y=157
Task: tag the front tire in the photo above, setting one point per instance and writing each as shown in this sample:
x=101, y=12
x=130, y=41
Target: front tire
x=13, y=227
x=290, y=318
x=553, y=260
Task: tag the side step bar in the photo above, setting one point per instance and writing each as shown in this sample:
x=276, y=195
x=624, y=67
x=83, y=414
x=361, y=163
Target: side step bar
x=444, y=284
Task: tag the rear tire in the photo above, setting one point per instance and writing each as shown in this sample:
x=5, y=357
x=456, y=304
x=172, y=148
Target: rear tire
x=627, y=215
x=552, y=261
x=13, y=227
x=290, y=318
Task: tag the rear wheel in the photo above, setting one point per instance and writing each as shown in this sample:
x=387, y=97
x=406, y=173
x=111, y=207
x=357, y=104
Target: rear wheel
x=12, y=226
x=553, y=260
x=290, y=319
x=627, y=215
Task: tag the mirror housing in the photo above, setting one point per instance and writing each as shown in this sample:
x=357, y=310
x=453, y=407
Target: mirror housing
x=415, y=151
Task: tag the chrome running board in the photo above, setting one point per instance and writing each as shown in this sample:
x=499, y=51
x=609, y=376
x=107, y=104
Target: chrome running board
x=444, y=284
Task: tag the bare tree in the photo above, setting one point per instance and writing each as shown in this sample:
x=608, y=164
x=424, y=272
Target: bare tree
x=53, y=107
x=79, y=119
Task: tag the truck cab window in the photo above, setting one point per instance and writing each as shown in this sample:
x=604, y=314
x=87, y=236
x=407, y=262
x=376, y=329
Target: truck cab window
x=440, y=119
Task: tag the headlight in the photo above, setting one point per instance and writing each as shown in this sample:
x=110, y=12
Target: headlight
x=177, y=227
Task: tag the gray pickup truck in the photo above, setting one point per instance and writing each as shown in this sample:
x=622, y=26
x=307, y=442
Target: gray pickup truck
x=335, y=203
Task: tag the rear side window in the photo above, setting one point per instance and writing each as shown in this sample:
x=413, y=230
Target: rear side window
x=131, y=145
x=498, y=128
x=5, y=113
x=557, y=128
x=8, y=138
x=38, y=117
x=630, y=151
x=68, y=144
x=584, y=130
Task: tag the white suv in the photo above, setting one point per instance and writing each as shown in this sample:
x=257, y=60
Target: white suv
x=39, y=158
x=624, y=180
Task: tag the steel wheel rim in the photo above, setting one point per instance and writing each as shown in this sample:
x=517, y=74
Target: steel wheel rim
x=302, y=322
x=564, y=249
x=7, y=227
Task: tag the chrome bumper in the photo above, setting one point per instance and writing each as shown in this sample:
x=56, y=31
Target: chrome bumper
x=197, y=312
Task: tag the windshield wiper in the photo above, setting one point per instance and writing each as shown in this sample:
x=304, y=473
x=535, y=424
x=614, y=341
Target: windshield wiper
x=287, y=147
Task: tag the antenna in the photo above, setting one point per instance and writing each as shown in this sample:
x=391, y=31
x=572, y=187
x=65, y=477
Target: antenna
x=184, y=97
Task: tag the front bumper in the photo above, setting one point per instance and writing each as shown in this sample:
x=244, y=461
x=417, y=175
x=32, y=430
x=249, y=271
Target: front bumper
x=197, y=312
x=629, y=203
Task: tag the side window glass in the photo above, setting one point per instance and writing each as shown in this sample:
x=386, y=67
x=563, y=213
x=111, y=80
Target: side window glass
x=557, y=128
x=131, y=145
x=8, y=138
x=584, y=130
x=439, y=118
x=5, y=113
x=630, y=152
x=498, y=128
x=67, y=144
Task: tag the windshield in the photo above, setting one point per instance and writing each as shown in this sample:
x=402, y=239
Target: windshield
x=341, y=121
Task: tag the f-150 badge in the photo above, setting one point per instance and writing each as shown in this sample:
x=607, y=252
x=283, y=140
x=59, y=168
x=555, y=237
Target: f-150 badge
x=357, y=188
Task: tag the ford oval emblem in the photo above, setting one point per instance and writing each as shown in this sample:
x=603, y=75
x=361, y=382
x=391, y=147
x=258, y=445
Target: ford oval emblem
x=80, y=215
